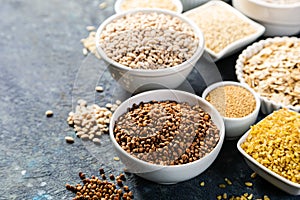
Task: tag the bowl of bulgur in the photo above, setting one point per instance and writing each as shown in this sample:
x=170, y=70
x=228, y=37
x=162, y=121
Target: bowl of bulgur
x=237, y=103
x=166, y=136
x=272, y=149
x=124, y=5
x=271, y=67
x=149, y=48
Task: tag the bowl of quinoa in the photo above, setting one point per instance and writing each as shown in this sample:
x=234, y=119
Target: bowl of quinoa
x=237, y=103
x=149, y=48
x=271, y=148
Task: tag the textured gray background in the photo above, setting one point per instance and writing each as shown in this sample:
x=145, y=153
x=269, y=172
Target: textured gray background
x=41, y=68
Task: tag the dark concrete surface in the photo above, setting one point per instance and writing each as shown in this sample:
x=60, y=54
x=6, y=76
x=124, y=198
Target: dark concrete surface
x=42, y=68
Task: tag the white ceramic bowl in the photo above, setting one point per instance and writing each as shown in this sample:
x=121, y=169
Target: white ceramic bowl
x=159, y=173
x=267, y=105
x=279, y=19
x=119, y=3
x=235, y=127
x=145, y=79
x=238, y=44
x=275, y=179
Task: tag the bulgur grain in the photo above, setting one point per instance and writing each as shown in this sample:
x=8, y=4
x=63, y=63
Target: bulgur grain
x=275, y=142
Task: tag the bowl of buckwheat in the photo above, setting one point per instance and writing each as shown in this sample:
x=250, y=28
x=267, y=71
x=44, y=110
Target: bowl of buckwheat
x=166, y=136
x=237, y=103
x=271, y=148
x=149, y=48
x=271, y=68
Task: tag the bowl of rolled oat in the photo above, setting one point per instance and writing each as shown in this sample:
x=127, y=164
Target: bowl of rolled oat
x=166, y=136
x=271, y=68
x=237, y=103
x=124, y=5
x=149, y=48
x=271, y=148
x=280, y=17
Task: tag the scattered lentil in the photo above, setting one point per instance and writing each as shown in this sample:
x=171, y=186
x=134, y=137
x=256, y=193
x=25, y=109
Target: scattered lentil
x=202, y=184
x=163, y=4
x=89, y=121
x=166, y=132
x=220, y=26
x=49, y=113
x=89, y=44
x=274, y=70
x=69, y=139
x=97, y=141
x=232, y=101
x=275, y=142
x=222, y=185
x=148, y=40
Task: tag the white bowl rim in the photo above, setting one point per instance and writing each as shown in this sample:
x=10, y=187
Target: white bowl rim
x=221, y=129
x=245, y=86
x=275, y=5
x=239, y=66
x=198, y=33
x=250, y=158
x=178, y=4
x=234, y=45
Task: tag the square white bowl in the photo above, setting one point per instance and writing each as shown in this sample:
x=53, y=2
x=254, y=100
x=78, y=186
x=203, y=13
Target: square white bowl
x=275, y=179
x=238, y=44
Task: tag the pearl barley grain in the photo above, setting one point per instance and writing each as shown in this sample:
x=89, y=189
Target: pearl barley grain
x=49, y=113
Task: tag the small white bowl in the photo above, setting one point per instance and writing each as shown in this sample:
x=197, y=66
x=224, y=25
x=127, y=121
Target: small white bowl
x=267, y=105
x=235, y=127
x=134, y=80
x=238, y=44
x=159, y=173
x=279, y=19
x=118, y=6
x=275, y=179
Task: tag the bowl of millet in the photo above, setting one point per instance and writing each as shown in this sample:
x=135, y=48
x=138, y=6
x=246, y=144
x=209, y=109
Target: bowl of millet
x=166, y=136
x=149, y=48
x=237, y=103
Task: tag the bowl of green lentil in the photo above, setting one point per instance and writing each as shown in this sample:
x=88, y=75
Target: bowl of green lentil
x=237, y=103
x=166, y=136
